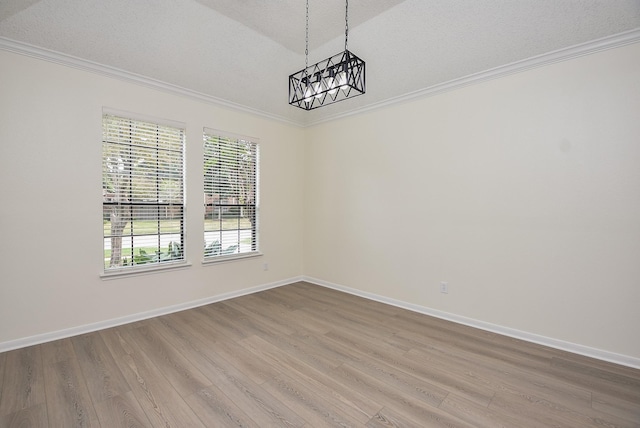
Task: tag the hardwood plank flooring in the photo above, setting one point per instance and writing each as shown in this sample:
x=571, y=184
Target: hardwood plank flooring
x=308, y=356
x=67, y=396
x=23, y=380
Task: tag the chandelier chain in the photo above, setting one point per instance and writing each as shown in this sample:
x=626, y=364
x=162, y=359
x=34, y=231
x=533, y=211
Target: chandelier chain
x=306, y=48
x=346, y=25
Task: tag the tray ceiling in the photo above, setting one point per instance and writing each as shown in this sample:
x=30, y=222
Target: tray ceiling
x=242, y=52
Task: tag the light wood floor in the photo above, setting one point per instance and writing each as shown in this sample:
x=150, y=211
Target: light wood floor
x=306, y=356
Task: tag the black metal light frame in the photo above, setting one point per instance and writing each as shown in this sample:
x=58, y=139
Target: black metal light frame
x=331, y=80
x=334, y=79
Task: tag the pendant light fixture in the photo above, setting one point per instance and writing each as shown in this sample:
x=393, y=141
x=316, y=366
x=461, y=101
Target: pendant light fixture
x=329, y=81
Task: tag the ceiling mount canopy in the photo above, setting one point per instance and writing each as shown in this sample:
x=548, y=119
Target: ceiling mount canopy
x=331, y=80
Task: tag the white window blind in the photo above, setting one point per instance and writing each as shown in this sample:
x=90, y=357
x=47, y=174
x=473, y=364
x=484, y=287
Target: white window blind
x=143, y=193
x=230, y=195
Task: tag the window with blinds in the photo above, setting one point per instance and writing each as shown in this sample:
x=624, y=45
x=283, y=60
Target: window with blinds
x=230, y=196
x=142, y=193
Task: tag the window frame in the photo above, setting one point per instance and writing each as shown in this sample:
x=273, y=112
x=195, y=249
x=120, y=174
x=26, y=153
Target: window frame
x=169, y=152
x=210, y=205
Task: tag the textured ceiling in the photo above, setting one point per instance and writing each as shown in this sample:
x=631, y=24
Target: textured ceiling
x=242, y=51
x=284, y=21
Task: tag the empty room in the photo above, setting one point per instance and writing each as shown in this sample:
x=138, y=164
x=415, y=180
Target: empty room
x=407, y=213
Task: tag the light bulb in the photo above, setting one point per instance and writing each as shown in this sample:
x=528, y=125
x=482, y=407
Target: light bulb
x=332, y=85
x=342, y=79
x=308, y=92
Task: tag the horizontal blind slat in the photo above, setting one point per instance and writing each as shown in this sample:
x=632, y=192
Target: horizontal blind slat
x=230, y=185
x=143, y=192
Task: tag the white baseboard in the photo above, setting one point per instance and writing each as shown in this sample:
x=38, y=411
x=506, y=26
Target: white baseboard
x=575, y=348
x=599, y=354
x=101, y=325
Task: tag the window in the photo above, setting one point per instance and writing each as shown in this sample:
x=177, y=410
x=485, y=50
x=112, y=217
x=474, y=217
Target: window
x=142, y=193
x=230, y=196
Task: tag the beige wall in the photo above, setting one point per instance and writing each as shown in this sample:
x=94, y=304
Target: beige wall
x=523, y=193
x=51, y=221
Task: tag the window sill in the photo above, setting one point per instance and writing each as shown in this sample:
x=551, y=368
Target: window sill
x=123, y=273
x=230, y=258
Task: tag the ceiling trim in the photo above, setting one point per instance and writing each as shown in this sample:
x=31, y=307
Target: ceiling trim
x=113, y=72
x=610, y=42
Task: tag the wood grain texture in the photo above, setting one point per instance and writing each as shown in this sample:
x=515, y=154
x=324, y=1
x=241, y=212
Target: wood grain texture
x=33, y=416
x=306, y=356
x=213, y=405
x=121, y=411
x=162, y=404
x=23, y=380
x=104, y=378
x=3, y=359
x=68, y=401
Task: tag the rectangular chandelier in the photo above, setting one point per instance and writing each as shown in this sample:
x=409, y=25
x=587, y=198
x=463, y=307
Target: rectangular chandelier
x=334, y=79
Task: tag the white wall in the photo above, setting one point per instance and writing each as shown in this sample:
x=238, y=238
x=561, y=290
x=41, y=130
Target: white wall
x=523, y=193
x=50, y=197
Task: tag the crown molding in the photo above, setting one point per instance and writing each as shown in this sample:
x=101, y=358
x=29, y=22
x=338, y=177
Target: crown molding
x=59, y=58
x=565, y=54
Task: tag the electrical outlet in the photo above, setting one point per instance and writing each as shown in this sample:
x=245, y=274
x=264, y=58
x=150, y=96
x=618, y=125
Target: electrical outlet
x=265, y=266
x=444, y=287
